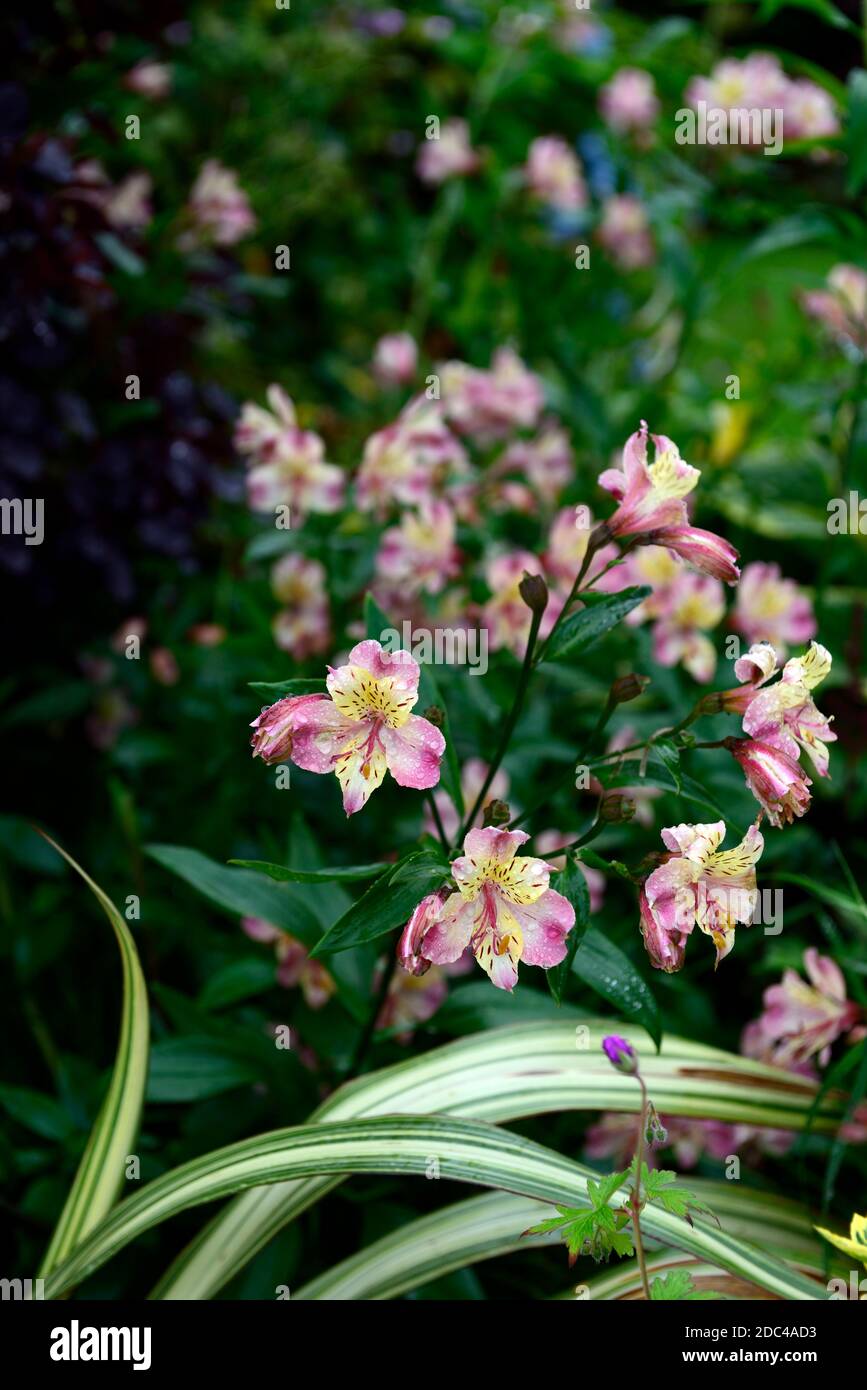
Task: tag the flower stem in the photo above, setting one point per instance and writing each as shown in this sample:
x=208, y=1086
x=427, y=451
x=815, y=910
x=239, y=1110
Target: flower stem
x=364, y=1042
x=437, y=819
x=635, y=1200
x=596, y=538
x=509, y=726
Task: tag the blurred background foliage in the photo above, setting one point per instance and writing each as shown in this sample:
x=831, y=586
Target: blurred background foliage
x=319, y=110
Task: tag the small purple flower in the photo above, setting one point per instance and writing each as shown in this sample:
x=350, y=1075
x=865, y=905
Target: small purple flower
x=620, y=1054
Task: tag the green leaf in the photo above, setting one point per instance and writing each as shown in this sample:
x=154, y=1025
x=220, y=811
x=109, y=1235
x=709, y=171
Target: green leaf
x=376, y=623
x=243, y=893
x=825, y=9
x=282, y=874
x=573, y=885
x=482, y=1228
x=856, y=132
x=582, y=629
x=604, y=967
x=387, y=903
x=113, y=1136
x=513, y=1072
x=272, y=691
x=466, y=1151
x=677, y=1286
x=40, y=1113
x=661, y=1185
x=189, y=1069
x=239, y=979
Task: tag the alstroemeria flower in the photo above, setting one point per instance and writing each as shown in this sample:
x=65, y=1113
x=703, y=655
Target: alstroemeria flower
x=842, y=308
x=776, y=781
x=395, y=359
x=553, y=174
x=624, y=232
x=699, y=884
x=504, y=910
x=361, y=728
x=294, y=963
x=855, y=1244
x=785, y=716
x=448, y=154
x=420, y=554
x=629, y=101
x=219, y=207
x=546, y=462
x=801, y=1020
x=652, y=505
x=488, y=405
x=771, y=609
x=410, y=459
x=302, y=627
x=689, y=606
x=286, y=464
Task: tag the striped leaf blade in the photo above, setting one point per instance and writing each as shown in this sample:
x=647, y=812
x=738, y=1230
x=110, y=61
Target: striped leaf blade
x=112, y=1138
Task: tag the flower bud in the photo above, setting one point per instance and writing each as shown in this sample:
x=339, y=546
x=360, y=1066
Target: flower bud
x=434, y=715
x=616, y=808
x=655, y=1133
x=620, y=1054
x=534, y=592
x=496, y=813
x=627, y=688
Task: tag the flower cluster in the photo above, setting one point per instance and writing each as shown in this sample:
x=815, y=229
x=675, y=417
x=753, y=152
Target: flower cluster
x=286, y=464
x=759, y=82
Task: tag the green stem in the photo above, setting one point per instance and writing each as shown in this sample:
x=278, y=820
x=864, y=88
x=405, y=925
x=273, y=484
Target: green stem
x=635, y=1200
x=508, y=727
x=596, y=538
x=444, y=839
x=369, y=1029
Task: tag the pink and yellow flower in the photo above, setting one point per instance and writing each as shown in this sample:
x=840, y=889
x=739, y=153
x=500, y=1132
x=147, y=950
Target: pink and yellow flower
x=690, y=606
x=489, y=404
x=302, y=627
x=294, y=964
x=842, y=308
x=771, y=609
x=802, y=1020
x=362, y=728
x=652, y=505
x=698, y=884
x=624, y=232
x=395, y=359
x=628, y=102
x=420, y=554
x=546, y=461
x=775, y=780
x=409, y=460
x=504, y=910
x=219, y=207
x=286, y=464
x=553, y=174
x=785, y=716
x=447, y=155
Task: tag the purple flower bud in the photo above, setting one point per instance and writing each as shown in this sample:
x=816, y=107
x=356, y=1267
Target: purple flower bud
x=620, y=1054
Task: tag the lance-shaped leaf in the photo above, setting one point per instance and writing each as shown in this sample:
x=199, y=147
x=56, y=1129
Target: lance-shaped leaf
x=464, y=1151
x=505, y=1074
x=102, y=1169
x=580, y=630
